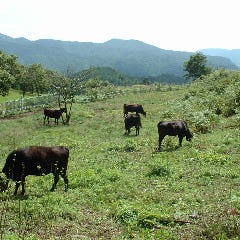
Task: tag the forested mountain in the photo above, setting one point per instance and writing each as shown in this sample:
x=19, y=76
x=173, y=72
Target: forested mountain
x=233, y=55
x=129, y=57
x=110, y=75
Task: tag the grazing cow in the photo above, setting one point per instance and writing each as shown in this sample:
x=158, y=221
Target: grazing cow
x=38, y=161
x=53, y=113
x=173, y=128
x=133, y=108
x=132, y=120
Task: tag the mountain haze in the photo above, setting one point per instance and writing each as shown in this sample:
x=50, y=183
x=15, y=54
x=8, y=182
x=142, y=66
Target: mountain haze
x=233, y=55
x=130, y=57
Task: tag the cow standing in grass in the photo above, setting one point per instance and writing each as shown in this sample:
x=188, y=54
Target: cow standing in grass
x=132, y=120
x=53, y=113
x=137, y=108
x=38, y=161
x=173, y=128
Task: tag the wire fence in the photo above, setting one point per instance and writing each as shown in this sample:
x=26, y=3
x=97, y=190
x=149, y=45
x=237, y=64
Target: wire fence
x=29, y=104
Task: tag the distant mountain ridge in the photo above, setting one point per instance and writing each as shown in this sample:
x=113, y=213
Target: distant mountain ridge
x=130, y=57
x=233, y=55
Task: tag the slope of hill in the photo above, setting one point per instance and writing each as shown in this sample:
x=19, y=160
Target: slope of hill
x=120, y=187
x=233, y=55
x=131, y=57
x=110, y=75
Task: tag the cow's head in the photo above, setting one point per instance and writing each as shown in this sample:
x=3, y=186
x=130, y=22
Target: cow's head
x=189, y=135
x=63, y=110
x=3, y=183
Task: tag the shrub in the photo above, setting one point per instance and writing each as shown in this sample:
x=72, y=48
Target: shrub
x=201, y=122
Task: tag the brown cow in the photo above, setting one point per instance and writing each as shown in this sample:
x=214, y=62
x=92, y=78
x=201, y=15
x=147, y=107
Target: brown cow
x=132, y=120
x=137, y=108
x=38, y=161
x=53, y=113
x=173, y=128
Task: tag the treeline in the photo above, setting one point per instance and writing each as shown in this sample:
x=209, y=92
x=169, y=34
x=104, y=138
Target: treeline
x=119, y=79
x=110, y=75
x=36, y=79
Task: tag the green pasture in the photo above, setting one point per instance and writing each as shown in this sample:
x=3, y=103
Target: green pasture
x=13, y=95
x=120, y=187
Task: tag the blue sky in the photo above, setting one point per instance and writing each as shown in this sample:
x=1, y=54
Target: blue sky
x=184, y=25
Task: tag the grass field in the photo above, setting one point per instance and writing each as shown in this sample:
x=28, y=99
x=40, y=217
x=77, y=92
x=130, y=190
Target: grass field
x=12, y=95
x=120, y=186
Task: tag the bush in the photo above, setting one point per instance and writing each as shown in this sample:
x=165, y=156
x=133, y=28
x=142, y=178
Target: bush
x=201, y=122
x=218, y=92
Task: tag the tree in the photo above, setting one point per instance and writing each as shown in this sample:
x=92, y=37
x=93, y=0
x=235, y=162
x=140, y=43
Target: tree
x=66, y=89
x=196, y=66
x=95, y=87
x=9, y=72
x=146, y=81
x=36, y=79
x=6, y=79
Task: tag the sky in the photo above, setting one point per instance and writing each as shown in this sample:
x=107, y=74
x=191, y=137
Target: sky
x=179, y=25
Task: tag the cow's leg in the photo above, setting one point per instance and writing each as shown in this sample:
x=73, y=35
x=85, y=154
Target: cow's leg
x=44, y=119
x=161, y=137
x=180, y=137
x=56, y=179
x=65, y=178
x=16, y=188
x=56, y=121
x=48, y=119
x=23, y=187
x=137, y=130
x=127, y=131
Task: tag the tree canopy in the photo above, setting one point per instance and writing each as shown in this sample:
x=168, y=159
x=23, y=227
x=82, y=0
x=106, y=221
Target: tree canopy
x=196, y=66
x=9, y=72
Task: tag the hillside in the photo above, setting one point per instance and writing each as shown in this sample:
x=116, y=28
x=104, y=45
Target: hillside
x=233, y=55
x=120, y=187
x=129, y=57
x=110, y=75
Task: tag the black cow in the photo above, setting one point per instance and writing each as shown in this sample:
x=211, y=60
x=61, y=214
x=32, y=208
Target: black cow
x=173, y=128
x=137, y=108
x=53, y=113
x=38, y=161
x=132, y=120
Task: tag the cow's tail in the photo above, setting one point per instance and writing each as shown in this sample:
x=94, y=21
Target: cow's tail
x=67, y=156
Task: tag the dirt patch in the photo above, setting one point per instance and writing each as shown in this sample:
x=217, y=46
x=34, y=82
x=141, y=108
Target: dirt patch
x=17, y=116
